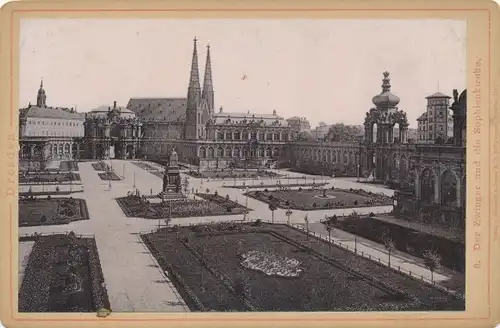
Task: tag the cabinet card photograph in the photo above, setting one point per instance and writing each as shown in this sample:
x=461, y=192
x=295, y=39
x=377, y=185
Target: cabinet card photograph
x=315, y=164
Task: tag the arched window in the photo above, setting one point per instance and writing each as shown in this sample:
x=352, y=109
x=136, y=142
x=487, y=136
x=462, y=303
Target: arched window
x=427, y=184
x=448, y=188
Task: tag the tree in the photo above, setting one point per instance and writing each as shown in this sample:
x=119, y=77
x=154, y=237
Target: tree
x=329, y=229
x=432, y=261
x=272, y=208
x=390, y=246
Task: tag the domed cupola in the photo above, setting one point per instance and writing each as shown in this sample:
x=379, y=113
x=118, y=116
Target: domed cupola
x=386, y=99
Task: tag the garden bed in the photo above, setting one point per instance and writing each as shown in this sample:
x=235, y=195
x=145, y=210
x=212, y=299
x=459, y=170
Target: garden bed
x=288, y=272
x=320, y=199
x=51, y=211
x=100, y=166
x=222, y=201
x=137, y=206
x=234, y=174
x=109, y=175
x=66, y=166
x=406, y=239
x=63, y=274
x=283, y=185
x=48, y=178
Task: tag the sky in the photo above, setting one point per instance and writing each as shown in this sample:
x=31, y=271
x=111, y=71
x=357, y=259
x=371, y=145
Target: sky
x=324, y=70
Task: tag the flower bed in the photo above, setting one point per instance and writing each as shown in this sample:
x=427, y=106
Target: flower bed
x=271, y=264
x=66, y=166
x=320, y=199
x=235, y=174
x=110, y=175
x=48, y=178
x=135, y=206
x=100, y=166
x=50, y=211
x=63, y=275
x=280, y=185
x=333, y=280
x=222, y=201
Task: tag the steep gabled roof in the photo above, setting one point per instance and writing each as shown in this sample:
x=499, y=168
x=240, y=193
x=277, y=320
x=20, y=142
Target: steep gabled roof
x=50, y=112
x=163, y=109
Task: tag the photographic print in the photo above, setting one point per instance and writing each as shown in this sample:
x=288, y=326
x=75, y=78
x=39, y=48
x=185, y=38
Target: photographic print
x=259, y=165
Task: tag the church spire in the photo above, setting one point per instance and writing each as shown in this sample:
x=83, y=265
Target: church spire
x=208, y=88
x=41, y=97
x=193, y=96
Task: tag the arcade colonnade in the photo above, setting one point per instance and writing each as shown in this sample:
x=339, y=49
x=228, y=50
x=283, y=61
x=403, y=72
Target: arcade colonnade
x=50, y=150
x=440, y=185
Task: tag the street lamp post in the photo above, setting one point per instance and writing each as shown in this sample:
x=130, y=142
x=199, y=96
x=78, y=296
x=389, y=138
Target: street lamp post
x=246, y=204
x=288, y=213
x=306, y=219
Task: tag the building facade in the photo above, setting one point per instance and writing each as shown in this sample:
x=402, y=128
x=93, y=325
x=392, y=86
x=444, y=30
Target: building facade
x=434, y=123
x=112, y=132
x=299, y=124
x=48, y=133
x=203, y=137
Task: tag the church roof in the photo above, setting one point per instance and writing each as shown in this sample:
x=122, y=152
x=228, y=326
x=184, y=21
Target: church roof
x=267, y=119
x=164, y=109
x=50, y=112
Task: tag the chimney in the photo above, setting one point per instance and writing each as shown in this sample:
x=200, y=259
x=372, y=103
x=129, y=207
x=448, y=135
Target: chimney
x=114, y=104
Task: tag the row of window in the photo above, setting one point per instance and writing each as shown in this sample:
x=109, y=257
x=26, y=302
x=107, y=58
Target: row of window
x=45, y=133
x=422, y=128
x=44, y=122
x=444, y=102
x=252, y=136
x=228, y=152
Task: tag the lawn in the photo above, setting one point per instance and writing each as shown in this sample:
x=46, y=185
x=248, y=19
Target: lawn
x=283, y=184
x=222, y=201
x=50, y=211
x=109, y=175
x=48, y=178
x=234, y=174
x=244, y=267
x=136, y=206
x=318, y=199
x=63, y=274
x=66, y=166
x=406, y=239
x=100, y=166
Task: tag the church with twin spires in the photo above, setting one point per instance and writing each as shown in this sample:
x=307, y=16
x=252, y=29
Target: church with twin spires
x=203, y=136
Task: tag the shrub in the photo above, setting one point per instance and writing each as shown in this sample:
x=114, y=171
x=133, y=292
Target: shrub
x=371, y=215
x=300, y=188
x=258, y=222
x=266, y=190
x=355, y=202
x=315, y=205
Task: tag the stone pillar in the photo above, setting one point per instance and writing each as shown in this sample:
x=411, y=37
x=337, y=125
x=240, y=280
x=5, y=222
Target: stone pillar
x=133, y=151
x=459, y=193
x=418, y=195
x=437, y=189
x=94, y=151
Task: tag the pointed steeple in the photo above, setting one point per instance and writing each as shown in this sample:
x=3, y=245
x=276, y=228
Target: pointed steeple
x=208, y=87
x=194, y=89
x=41, y=97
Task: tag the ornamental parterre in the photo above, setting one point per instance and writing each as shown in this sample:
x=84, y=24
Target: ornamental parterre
x=255, y=267
x=48, y=211
x=63, y=275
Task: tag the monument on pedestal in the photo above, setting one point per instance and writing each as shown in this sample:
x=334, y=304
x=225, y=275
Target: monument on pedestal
x=172, y=179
